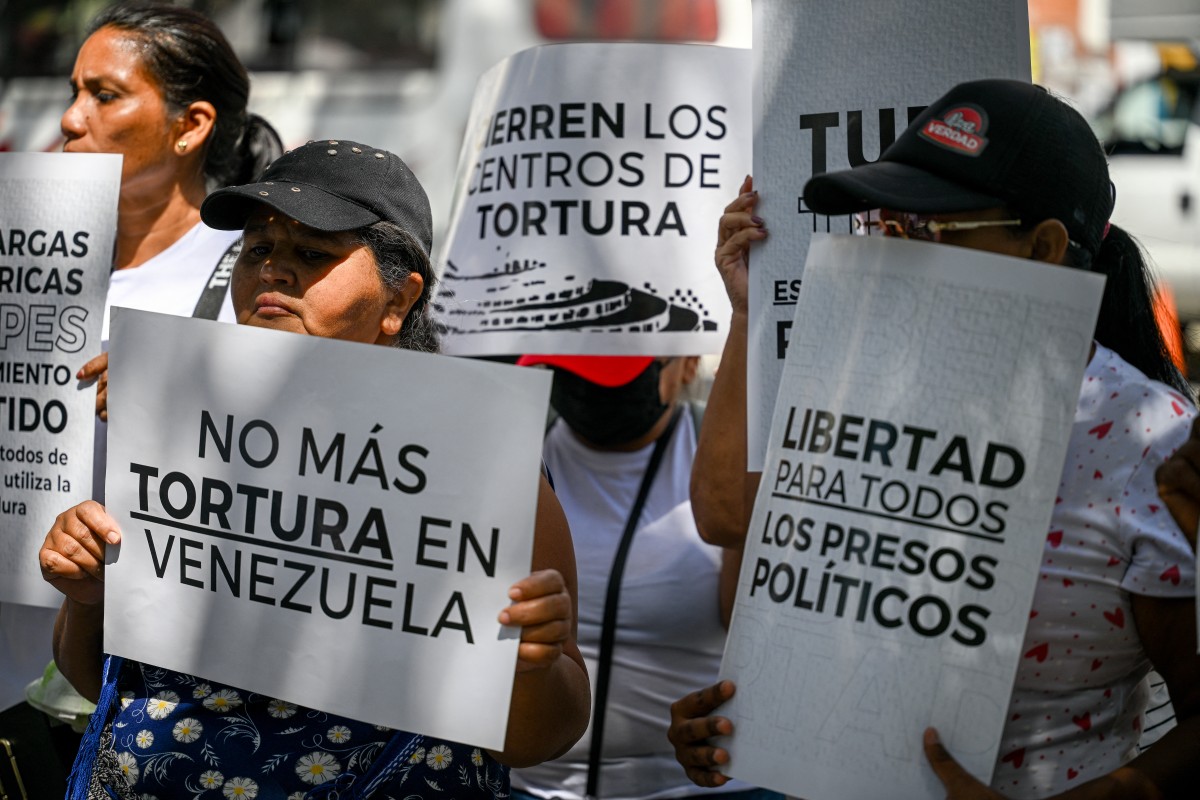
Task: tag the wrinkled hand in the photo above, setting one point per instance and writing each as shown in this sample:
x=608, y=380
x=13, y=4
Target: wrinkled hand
x=72, y=556
x=960, y=784
x=97, y=368
x=1179, y=484
x=542, y=607
x=737, y=229
x=691, y=727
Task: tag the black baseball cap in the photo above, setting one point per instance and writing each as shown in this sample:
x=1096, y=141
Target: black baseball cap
x=985, y=144
x=330, y=185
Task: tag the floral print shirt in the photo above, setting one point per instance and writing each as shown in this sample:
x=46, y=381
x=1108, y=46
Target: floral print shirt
x=177, y=736
x=1079, y=696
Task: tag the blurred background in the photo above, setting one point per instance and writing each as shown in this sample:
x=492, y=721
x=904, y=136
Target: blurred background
x=400, y=74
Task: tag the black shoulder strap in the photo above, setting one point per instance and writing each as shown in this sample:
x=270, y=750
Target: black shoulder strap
x=213, y=296
x=608, y=628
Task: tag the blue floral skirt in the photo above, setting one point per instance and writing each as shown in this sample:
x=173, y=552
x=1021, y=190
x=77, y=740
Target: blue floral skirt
x=176, y=736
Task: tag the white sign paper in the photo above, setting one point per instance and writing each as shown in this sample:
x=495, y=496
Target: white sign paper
x=337, y=506
x=916, y=449
x=834, y=84
x=58, y=217
x=587, y=198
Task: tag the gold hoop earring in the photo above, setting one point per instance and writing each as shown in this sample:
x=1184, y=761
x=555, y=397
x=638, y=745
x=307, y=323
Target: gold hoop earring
x=182, y=145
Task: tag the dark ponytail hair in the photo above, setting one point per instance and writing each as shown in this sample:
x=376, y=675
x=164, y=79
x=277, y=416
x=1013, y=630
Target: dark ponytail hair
x=1127, y=324
x=191, y=60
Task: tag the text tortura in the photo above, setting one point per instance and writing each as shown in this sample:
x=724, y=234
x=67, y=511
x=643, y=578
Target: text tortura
x=311, y=535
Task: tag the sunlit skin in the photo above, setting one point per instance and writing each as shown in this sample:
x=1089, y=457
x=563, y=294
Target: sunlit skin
x=118, y=107
x=294, y=278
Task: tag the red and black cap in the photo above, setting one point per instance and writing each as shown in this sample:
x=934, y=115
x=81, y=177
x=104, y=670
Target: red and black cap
x=330, y=185
x=985, y=144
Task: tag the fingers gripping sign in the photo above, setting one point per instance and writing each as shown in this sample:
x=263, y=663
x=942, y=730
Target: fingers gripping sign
x=737, y=229
x=960, y=784
x=97, y=368
x=542, y=608
x=692, y=726
x=72, y=555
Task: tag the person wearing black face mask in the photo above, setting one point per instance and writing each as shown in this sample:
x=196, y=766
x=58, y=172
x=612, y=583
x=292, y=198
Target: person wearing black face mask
x=622, y=416
x=653, y=597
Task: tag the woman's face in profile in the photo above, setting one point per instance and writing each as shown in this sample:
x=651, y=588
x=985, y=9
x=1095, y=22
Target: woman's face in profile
x=294, y=278
x=118, y=107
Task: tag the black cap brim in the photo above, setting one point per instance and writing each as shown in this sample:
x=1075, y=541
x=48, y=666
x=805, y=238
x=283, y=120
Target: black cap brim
x=228, y=209
x=888, y=184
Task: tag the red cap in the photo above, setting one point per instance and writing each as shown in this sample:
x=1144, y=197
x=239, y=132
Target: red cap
x=603, y=370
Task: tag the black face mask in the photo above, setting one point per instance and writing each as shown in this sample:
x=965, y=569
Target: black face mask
x=607, y=416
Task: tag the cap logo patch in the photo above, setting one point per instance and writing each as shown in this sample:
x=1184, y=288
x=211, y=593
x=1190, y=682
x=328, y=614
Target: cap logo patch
x=960, y=129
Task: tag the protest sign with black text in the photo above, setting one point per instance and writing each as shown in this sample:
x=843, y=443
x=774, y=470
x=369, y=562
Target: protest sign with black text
x=58, y=218
x=918, y=440
x=359, y=512
x=834, y=84
x=586, y=198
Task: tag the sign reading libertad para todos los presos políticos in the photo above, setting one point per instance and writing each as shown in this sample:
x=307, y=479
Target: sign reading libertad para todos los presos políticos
x=916, y=449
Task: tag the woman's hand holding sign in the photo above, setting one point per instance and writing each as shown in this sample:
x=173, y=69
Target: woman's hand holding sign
x=72, y=556
x=72, y=560
x=721, y=489
x=960, y=784
x=551, y=698
x=97, y=368
x=691, y=728
x=737, y=229
x=542, y=607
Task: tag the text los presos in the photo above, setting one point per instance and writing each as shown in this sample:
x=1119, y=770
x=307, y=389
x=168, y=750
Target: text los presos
x=893, y=476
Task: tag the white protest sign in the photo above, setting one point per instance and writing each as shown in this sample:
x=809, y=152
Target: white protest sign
x=58, y=217
x=358, y=512
x=587, y=200
x=917, y=445
x=834, y=84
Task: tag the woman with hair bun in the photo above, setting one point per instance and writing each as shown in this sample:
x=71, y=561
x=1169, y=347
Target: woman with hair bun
x=1008, y=168
x=160, y=85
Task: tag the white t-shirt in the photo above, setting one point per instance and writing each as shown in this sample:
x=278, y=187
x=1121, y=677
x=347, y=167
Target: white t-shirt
x=1081, y=691
x=669, y=638
x=169, y=283
x=172, y=281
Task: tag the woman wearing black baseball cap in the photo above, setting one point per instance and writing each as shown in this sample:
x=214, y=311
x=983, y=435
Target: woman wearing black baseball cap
x=337, y=239
x=1006, y=167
